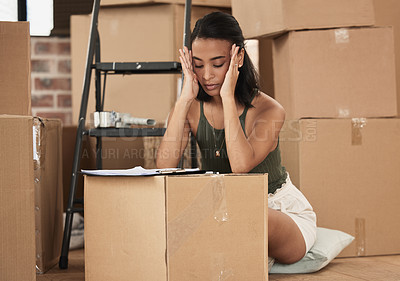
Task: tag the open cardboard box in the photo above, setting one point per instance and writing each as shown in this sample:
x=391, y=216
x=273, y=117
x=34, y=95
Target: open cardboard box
x=195, y=227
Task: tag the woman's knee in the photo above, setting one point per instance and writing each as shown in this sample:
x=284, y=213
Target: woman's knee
x=285, y=240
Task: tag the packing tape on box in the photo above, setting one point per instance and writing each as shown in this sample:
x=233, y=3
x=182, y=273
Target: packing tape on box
x=342, y=36
x=210, y=201
x=219, y=269
x=38, y=140
x=360, y=237
x=39, y=152
x=356, y=130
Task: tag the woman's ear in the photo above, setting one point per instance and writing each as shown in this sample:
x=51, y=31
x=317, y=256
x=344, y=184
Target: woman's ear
x=241, y=57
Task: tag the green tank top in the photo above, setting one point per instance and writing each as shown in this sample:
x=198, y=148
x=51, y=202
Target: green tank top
x=209, y=144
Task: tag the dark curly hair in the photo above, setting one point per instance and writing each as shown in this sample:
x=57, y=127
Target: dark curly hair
x=218, y=25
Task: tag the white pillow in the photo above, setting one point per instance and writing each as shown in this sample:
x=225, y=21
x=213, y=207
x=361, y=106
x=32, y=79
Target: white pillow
x=328, y=245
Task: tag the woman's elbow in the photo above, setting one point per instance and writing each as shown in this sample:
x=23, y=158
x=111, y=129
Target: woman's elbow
x=241, y=168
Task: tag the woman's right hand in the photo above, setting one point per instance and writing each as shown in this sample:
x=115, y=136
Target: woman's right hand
x=190, y=84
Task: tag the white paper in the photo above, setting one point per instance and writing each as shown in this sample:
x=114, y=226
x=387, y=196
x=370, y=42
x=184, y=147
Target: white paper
x=138, y=171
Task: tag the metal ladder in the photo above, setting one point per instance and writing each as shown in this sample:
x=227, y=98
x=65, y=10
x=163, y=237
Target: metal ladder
x=104, y=68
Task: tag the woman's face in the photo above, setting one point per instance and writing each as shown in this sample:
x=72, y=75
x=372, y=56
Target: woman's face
x=211, y=58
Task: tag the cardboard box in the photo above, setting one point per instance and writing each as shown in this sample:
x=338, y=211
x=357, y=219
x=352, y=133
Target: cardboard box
x=205, y=227
x=348, y=170
x=336, y=73
x=47, y=158
x=17, y=199
x=15, y=68
x=216, y=3
x=131, y=34
x=266, y=71
x=387, y=13
x=268, y=18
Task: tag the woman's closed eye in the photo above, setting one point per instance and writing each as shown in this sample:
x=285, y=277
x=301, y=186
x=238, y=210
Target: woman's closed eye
x=214, y=65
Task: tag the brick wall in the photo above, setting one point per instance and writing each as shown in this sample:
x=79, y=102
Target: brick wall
x=51, y=78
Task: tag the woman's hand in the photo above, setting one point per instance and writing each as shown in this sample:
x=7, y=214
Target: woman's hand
x=190, y=87
x=231, y=76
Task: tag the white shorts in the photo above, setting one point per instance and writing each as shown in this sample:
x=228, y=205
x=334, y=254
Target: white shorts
x=290, y=201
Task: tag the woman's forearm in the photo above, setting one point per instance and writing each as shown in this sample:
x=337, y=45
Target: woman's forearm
x=175, y=138
x=240, y=151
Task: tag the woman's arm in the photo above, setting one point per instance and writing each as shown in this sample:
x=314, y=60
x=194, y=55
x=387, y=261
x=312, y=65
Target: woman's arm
x=247, y=152
x=176, y=136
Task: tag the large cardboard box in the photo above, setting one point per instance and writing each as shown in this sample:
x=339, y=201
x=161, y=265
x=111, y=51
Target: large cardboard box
x=349, y=171
x=336, y=73
x=267, y=18
x=15, y=68
x=131, y=34
x=387, y=13
x=47, y=158
x=217, y=3
x=17, y=199
x=206, y=227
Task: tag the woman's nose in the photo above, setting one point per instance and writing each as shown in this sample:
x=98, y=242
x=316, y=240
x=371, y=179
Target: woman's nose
x=208, y=73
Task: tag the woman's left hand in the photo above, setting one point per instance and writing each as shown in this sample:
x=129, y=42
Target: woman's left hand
x=231, y=76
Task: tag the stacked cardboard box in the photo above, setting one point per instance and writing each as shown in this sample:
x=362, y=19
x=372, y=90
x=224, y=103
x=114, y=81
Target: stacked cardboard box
x=15, y=68
x=17, y=199
x=17, y=205
x=387, y=13
x=187, y=227
x=337, y=83
x=30, y=185
x=47, y=158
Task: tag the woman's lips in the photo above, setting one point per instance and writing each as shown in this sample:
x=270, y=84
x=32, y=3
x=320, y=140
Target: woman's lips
x=211, y=87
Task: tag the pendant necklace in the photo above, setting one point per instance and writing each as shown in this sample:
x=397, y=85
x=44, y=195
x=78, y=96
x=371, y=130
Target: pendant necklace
x=217, y=151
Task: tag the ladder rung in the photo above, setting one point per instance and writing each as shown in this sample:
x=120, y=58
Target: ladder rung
x=75, y=210
x=126, y=132
x=138, y=67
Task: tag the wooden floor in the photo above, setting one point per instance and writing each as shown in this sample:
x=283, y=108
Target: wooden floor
x=383, y=268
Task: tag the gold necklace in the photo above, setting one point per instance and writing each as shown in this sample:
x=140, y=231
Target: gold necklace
x=217, y=151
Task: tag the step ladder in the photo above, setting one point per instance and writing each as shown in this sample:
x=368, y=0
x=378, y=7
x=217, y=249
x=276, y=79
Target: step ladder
x=103, y=69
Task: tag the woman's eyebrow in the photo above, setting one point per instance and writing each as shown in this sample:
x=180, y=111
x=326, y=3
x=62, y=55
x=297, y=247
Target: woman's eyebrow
x=215, y=58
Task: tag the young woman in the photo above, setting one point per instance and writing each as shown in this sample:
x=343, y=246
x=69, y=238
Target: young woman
x=237, y=128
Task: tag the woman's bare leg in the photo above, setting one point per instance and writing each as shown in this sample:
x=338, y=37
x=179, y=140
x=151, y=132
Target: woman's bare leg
x=285, y=241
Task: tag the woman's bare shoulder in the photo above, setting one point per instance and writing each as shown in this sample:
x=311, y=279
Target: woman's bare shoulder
x=267, y=106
